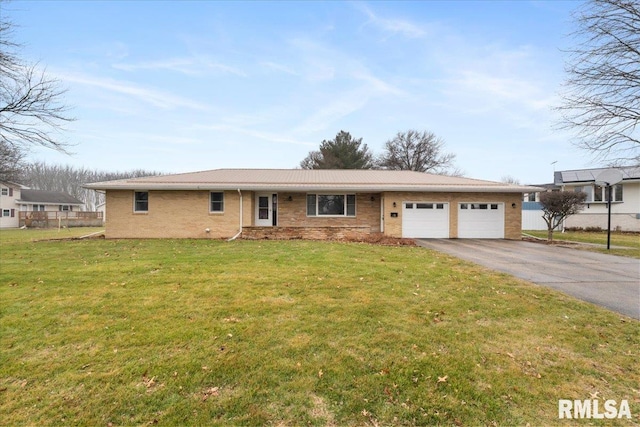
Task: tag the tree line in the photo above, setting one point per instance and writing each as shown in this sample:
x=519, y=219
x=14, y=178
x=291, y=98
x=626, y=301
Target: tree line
x=69, y=179
x=420, y=151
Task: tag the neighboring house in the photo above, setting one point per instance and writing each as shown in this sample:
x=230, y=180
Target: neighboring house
x=313, y=204
x=102, y=208
x=9, y=193
x=625, y=205
x=532, y=209
x=47, y=201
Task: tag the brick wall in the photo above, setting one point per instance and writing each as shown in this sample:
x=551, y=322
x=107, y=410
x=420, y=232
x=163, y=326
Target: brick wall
x=185, y=214
x=512, y=220
x=179, y=214
x=293, y=213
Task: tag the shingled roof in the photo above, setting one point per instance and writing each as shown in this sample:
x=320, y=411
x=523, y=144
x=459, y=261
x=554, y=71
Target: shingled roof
x=356, y=180
x=54, y=197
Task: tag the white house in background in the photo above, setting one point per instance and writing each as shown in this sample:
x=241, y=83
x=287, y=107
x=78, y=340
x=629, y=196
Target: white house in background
x=625, y=205
x=9, y=194
x=47, y=201
x=16, y=198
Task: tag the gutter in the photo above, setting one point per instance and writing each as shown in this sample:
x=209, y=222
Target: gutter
x=239, y=232
x=356, y=188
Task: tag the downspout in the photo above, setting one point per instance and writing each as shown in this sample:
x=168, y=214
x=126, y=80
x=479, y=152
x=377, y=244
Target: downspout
x=239, y=232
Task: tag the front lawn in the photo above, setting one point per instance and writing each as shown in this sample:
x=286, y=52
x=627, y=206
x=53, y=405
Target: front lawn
x=200, y=332
x=625, y=244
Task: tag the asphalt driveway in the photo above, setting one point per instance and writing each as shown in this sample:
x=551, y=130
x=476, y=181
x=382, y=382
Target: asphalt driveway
x=606, y=280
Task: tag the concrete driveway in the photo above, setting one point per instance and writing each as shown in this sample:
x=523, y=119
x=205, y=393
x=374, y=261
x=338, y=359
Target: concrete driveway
x=606, y=280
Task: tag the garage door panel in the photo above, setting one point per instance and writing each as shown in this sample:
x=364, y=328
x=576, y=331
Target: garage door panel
x=425, y=220
x=481, y=220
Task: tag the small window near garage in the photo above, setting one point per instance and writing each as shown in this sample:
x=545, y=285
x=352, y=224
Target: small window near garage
x=217, y=201
x=424, y=205
x=439, y=205
x=141, y=201
x=482, y=206
x=464, y=206
x=409, y=205
x=494, y=206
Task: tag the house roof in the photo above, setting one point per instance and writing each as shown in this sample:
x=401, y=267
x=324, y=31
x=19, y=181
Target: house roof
x=590, y=175
x=357, y=180
x=41, y=196
x=13, y=185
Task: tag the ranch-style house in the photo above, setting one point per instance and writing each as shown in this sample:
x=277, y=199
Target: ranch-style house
x=311, y=204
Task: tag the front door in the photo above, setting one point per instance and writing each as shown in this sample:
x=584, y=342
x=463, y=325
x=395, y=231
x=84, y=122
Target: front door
x=266, y=209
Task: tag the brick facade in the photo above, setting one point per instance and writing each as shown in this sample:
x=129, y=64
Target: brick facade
x=512, y=219
x=185, y=214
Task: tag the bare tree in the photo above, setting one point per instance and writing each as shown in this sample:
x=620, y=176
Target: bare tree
x=416, y=151
x=508, y=179
x=601, y=101
x=558, y=205
x=342, y=152
x=69, y=179
x=32, y=111
x=11, y=162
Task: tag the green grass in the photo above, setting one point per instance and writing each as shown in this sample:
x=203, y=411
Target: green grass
x=629, y=241
x=186, y=332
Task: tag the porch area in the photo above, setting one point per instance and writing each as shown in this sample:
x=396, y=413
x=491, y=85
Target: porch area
x=52, y=219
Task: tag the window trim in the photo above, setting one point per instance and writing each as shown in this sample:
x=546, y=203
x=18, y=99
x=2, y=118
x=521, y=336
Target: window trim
x=346, y=205
x=221, y=211
x=135, y=206
x=592, y=189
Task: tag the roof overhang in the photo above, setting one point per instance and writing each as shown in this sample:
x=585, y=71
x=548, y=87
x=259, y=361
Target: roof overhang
x=360, y=188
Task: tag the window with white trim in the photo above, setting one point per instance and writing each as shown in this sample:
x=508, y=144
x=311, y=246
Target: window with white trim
x=5, y=191
x=216, y=201
x=600, y=194
x=6, y=212
x=140, y=201
x=331, y=205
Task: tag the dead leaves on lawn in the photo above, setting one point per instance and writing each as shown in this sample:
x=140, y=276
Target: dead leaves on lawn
x=526, y=366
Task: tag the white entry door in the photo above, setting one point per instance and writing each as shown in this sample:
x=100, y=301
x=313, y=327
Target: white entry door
x=266, y=208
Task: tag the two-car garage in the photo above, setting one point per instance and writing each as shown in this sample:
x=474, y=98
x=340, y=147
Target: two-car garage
x=432, y=220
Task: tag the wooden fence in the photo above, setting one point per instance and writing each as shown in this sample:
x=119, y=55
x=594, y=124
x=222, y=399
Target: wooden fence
x=53, y=219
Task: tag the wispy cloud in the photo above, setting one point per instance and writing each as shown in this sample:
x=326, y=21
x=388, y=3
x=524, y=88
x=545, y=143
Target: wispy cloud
x=263, y=135
x=190, y=66
x=403, y=27
x=160, y=99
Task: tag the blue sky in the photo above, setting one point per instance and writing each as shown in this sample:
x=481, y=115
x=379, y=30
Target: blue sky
x=186, y=86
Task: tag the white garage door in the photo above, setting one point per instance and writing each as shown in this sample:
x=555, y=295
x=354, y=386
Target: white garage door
x=428, y=220
x=481, y=220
